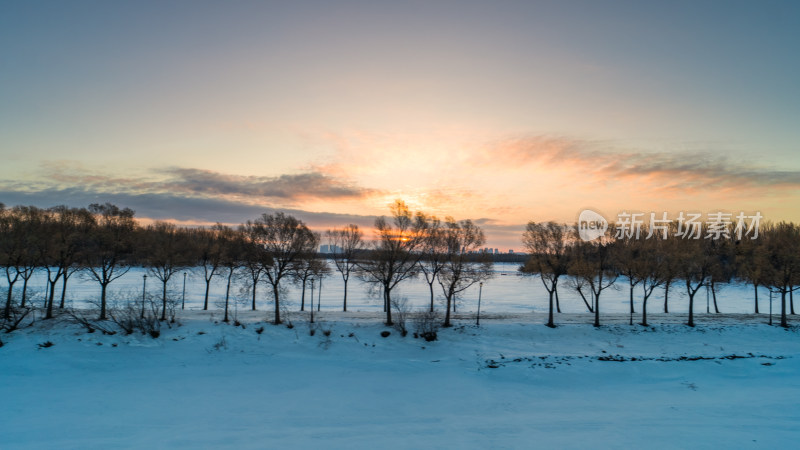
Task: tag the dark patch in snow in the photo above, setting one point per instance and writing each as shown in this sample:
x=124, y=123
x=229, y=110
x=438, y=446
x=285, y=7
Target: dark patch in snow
x=544, y=361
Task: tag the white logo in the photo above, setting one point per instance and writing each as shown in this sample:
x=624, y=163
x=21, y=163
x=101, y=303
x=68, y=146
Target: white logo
x=591, y=225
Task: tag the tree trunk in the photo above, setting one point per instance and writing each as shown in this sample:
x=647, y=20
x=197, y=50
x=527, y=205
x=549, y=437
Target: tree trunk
x=24, y=291
x=596, y=309
x=585, y=302
x=430, y=286
x=631, y=297
x=791, y=301
x=755, y=289
x=555, y=289
x=666, y=296
x=7, y=311
x=784, y=323
x=164, y=302
x=103, y=287
x=714, y=297
x=550, y=322
x=51, y=299
x=644, y=311
x=387, y=292
x=447, y=313
x=205, y=301
x=345, y=296
x=303, y=297
x=227, y=295
x=691, y=309
x=277, y=320
x=63, y=290
x=254, y=294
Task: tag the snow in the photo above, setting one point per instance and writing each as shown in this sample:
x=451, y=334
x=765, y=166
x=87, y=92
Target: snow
x=511, y=382
x=507, y=292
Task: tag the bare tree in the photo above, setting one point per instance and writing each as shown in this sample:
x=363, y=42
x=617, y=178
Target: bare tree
x=254, y=258
x=649, y=268
x=82, y=223
x=782, y=242
x=696, y=263
x=626, y=252
x=309, y=266
x=346, y=244
x=12, y=253
x=110, y=247
x=671, y=267
x=230, y=244
x=458, y=271
x=751, y=264
x=210, y=253
x=168, y=252
x=591, y=261
x=62, y=234
x=434, y=251
x=723, y=267
x=285, y=239
x=394, y=253
x=29, y=219
x=548, y=246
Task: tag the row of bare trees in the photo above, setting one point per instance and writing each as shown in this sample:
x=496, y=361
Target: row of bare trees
x=590, y=267
x=105, y=242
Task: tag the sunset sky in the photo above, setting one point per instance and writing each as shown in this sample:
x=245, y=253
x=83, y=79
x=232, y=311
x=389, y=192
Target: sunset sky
x=502, y=112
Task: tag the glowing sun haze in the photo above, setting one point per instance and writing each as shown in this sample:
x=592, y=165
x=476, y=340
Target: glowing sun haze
x=502, y=112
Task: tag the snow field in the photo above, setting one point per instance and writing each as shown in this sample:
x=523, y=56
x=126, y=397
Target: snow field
x=510, y=383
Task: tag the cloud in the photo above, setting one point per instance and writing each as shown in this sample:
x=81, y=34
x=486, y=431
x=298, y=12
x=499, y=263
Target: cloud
x=189, y=182
x=165, y=206
x=293, y=187
x=676, y=171
x=190, y=196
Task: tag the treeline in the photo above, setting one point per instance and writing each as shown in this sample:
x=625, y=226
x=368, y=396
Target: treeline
x=105, y=241
x=667, y=257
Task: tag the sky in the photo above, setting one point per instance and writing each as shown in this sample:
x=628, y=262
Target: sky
x=500, y=112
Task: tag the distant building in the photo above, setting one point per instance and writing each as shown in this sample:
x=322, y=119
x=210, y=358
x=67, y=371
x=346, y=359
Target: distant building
x=330, y=249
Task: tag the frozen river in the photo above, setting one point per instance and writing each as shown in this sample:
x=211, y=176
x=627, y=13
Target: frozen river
x=506, y=292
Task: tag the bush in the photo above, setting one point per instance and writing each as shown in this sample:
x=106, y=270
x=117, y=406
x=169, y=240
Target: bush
x=91, y=325
x=17, y=318
x=401, y=309
x=426, y=325
x=130, y=319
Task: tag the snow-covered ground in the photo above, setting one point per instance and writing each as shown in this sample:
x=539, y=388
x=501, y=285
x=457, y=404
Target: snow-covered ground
x=510, y=383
